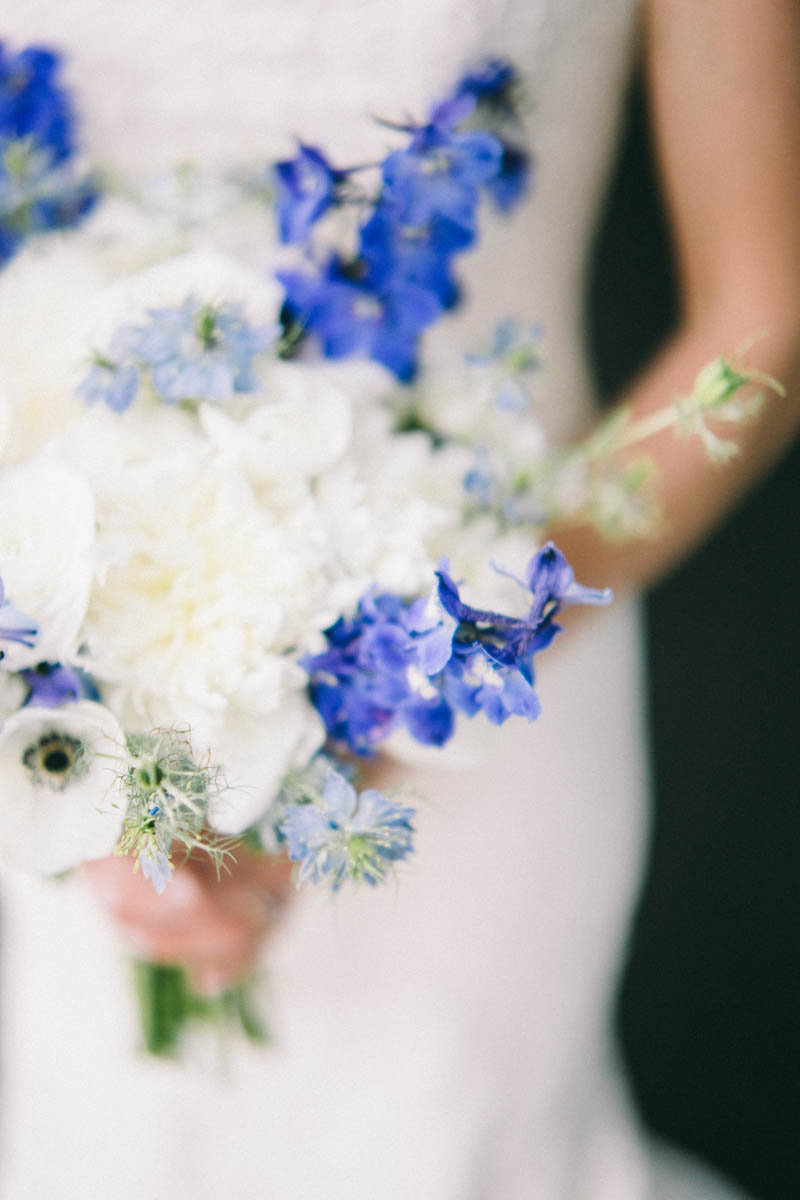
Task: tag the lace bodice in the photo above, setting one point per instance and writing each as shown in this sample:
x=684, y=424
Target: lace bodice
x=196, y=80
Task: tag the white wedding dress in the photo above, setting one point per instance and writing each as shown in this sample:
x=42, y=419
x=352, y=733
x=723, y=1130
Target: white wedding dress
x=448, y=1037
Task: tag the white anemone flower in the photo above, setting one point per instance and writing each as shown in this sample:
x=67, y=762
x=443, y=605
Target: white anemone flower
x=60, y=796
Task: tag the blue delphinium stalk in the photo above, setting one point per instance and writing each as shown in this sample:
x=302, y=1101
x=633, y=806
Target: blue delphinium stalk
x=415, y=664
x=39, y=188
x=194, y=351
x=365, y=314
x=306, y=188
x=401, y=279
x=491, y=87
x=511, y=641
x=376, y=674
x=339, y=834
x=438, y=175
x=14, y=625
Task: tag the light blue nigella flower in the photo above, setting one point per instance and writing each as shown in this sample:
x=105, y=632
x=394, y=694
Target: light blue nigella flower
x=114, y=384
x=155, y=865
x=199, y=351
x=347, y=835
x=195, y=351
x=14, y=625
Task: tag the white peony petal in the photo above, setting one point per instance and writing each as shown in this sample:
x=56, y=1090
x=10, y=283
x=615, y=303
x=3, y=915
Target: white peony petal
x=46, y=539
x=255, y=752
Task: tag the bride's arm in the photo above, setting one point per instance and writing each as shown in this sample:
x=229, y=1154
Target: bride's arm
x=724, y=81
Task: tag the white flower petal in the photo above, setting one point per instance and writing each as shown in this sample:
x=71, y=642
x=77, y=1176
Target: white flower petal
x=255, y=753
x=46, y=539
x=52, y=820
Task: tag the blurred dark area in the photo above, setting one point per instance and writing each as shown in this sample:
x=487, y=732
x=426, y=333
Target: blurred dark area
x=709, y=1014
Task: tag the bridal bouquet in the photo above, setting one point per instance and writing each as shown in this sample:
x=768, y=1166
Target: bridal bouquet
x=236, y=555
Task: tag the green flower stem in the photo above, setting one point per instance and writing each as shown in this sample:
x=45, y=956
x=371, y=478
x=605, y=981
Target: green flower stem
x=168, y=1004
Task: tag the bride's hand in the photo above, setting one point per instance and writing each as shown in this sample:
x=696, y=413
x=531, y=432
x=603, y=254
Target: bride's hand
x=213, y=926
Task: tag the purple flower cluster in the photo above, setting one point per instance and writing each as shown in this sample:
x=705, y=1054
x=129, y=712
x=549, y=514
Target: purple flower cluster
x=401, y=279
x=416, y=664
x=50, y=685
x=39, y=189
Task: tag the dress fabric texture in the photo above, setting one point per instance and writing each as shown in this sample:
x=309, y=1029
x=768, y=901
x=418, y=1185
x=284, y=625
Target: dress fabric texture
x=446, y=1037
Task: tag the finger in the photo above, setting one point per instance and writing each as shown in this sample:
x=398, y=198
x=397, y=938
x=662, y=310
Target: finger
x=190, y=947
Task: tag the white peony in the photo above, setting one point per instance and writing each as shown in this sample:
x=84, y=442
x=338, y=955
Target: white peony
x=60, y=798
x=297, y=426
x=13, y=691
x=206, y=274
x=44, y=295
x=202, y=586
x=46, y=541
x=255, y=750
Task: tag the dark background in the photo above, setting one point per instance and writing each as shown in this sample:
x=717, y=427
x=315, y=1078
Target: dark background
x=709, y=1014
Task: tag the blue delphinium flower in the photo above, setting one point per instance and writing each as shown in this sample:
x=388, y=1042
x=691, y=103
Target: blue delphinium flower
x=195, y=351
x=347, y=835
x=39, y=189
x=307, y=186
x=490, y=80
x=473, y=683
x=491, y=667
x=14, y=625
x=51, y=684
x=512, y=641
x=376, y=673
x=485, y=95
x=414, y=664
x=382, y=319
x=512, y=179
x=416, y=255
x=401, y=278
x=438, y=175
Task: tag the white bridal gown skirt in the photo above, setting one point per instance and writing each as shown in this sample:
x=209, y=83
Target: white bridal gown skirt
x=444, y=1038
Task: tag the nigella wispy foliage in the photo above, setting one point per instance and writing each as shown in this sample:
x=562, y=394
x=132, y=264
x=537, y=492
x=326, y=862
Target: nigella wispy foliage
x=401, y=278
x=40, y=188
x=414, y=664
x=168, y=794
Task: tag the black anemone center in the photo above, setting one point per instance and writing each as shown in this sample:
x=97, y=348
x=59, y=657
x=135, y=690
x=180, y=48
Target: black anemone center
x=56, y=761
